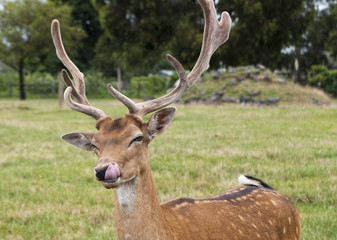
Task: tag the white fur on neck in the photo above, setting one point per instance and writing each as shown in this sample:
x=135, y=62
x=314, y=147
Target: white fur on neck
x=126, y=194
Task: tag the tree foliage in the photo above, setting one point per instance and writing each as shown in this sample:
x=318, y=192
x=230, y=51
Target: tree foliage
x=329, y=21
x=317, y=46
x=25, y=41
x=83, y=12
x=263, y=28
x=146, y=29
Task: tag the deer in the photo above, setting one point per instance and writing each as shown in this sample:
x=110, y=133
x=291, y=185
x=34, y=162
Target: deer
x=253, y=211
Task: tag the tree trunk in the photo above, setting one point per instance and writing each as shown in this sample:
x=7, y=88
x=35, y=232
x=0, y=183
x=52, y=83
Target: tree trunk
x=119, y=79
x=21, y=81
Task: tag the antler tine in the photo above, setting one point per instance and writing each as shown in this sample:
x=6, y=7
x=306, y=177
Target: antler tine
x=215, y=34
x=76, y=90
x=143, y=108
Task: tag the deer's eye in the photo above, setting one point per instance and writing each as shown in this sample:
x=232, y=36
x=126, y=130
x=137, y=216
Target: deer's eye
x=94, y=147
x=136, y=139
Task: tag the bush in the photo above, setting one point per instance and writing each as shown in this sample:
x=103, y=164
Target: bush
x=96, y=84
x=5, y=78
x=149, y=86
x=48, y=83
x=325, y=79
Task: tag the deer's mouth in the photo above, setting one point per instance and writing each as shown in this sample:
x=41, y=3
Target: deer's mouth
x=112, y=173
x=109, y=175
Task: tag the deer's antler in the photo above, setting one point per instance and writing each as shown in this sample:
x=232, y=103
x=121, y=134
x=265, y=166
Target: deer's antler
x=76, y=88
x=215, y=34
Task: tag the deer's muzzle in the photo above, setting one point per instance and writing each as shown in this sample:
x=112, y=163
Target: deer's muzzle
x=108, y=173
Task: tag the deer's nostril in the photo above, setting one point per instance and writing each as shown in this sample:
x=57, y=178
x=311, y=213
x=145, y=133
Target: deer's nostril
x=100, y=172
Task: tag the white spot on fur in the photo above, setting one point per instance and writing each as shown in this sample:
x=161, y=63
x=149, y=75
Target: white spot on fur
x=127, y=236
x=242, y=219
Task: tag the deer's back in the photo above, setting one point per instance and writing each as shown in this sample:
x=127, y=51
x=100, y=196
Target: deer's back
x=241, y=213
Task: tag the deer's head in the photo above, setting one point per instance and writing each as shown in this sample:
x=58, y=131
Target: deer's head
x=122, y=144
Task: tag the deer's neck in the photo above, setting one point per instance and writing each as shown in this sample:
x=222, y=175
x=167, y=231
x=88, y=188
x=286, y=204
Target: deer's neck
x=138, y=213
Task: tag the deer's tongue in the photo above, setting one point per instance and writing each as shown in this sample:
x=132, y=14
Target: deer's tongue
x=112, y=173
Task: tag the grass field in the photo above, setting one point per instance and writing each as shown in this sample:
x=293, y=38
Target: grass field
x=48, y=191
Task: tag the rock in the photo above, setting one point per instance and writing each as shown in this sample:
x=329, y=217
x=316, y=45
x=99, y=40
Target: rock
x=260, y=66
x=254, y=93
x=214, y=98
x=233, y=82
x=216, y=75
x=252, y=76
x=246, y=99
x=261, y=101
x=241, y=78
x=227, y=99
x=273, y=100
x=192, y=100
x=249, y=74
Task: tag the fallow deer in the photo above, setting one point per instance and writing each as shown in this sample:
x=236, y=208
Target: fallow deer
x=254, y=211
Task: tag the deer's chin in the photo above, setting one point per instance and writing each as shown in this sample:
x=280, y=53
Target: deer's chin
x=111, y=183
x=115, y=183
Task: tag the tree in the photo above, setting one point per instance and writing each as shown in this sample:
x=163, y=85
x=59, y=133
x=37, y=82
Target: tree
x=146, y=29
x=84, y=12
x=25, y=41
x=318, y=44
x=329, y=21
x=261, y=29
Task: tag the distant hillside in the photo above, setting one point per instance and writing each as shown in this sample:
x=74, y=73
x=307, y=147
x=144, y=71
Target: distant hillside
x=250, y=85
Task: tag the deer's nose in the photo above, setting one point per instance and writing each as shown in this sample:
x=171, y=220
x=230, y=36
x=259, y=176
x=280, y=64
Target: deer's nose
x=100, y=172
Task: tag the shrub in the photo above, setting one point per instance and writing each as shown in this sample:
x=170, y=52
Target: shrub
x=96, y=84
x=149, y=86
x=325, y=79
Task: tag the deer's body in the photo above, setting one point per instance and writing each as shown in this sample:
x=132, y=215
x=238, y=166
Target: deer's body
x=251, y=212
x=248, y=212
x=222, y=217
x=242, y=213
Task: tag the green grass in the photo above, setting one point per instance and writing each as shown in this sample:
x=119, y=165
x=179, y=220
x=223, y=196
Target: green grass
x=48, y=191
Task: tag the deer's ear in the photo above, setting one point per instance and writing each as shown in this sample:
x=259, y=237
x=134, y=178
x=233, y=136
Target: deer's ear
x=80, y=140
x=160, y=121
